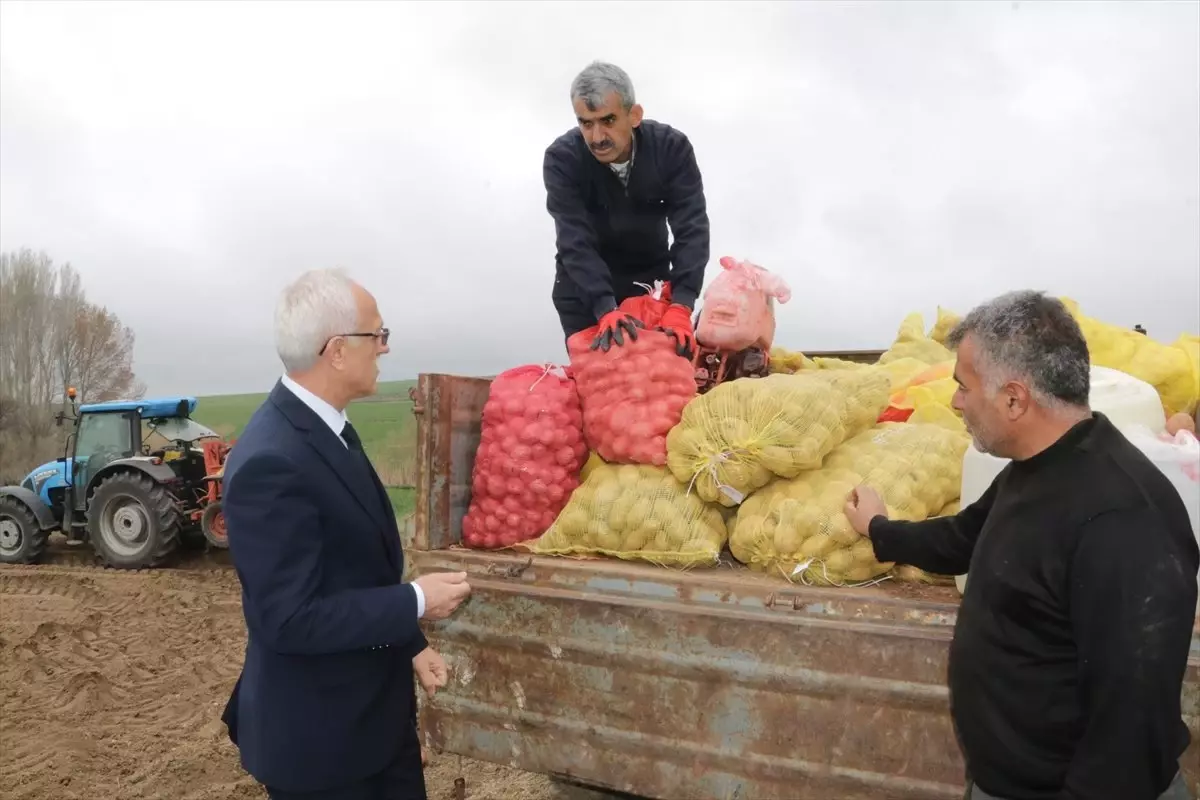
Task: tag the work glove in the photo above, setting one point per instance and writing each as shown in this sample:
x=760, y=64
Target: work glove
x=613, y=328
x=677, y=323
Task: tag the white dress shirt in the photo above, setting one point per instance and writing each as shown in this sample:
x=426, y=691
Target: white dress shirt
x=337, y=421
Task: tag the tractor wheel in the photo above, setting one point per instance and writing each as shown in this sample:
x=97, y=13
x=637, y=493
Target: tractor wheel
x=132, y=521
x=212, y=522
x=22, y=540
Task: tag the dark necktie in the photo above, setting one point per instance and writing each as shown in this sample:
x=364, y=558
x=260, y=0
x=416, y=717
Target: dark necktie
x=351, y=437
x=356, y=450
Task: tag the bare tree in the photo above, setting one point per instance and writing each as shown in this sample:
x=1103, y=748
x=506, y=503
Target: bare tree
x=51, y=337
x=100, y=357
x=27, y=296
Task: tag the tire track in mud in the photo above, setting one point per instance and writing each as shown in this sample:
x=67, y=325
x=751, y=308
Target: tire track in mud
x=112, y=682
x=112, y=685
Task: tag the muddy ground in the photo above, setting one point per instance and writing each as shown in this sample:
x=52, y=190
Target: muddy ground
x=112, y=686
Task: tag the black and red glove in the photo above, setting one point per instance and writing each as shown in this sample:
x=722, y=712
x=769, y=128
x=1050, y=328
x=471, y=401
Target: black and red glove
x=676, y=322
x=613, y=328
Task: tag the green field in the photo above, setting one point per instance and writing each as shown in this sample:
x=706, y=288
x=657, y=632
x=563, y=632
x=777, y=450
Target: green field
x=385, y=423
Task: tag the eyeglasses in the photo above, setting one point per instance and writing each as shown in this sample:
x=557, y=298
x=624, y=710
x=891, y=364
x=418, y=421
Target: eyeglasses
x=382, y=335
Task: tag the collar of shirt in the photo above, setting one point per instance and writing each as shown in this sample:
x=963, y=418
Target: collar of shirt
x=622, y=170
x=336, y=420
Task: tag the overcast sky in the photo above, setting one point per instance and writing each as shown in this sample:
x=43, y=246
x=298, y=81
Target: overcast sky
x=884, y=158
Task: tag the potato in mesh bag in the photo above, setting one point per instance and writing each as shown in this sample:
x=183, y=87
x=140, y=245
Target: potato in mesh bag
x=901, y=370
x=635, y=512
x=796, y=527
x=740, y=435
x=791, y=361
x=860, y=395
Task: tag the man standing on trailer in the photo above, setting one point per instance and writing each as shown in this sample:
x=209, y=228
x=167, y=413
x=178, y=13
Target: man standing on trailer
x=613, y=186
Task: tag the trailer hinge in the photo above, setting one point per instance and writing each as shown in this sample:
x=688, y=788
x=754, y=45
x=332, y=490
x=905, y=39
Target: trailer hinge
x=418, y=405
x=778, y=601
x=511, y=571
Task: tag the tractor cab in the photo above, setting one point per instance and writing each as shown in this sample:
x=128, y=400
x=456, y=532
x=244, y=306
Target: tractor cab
x=135, y=476
x=147, y=433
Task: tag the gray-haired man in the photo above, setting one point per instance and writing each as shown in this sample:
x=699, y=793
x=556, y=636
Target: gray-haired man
x=613, y=185
x=1067, y=664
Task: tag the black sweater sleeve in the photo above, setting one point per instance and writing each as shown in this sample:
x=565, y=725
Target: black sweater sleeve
x=687, y=214
x=942, y=545
x=1133, y=603
x=574, y=235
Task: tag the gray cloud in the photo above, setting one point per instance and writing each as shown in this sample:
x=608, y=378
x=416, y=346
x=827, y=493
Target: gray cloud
x=191, y=159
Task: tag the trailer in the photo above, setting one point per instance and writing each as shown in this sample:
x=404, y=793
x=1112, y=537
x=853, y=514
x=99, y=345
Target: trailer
x=714, y=684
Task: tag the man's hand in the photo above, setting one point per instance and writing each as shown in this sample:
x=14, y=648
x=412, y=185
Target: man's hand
x=431, y=671
x=863, y=505
x=443, y=592
x=614, y=326
x=677, y=323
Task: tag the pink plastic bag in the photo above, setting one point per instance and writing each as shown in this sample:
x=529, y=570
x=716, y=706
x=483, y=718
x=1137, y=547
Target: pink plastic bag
x=739, y=308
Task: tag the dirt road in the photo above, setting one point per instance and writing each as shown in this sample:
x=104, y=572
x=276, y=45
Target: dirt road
x=113, y=685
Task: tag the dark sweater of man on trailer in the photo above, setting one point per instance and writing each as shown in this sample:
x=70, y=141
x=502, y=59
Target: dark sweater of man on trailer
x=1069, y=654
x=613, y=185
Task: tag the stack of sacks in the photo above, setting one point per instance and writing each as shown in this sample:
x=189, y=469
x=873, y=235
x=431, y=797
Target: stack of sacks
x=796, y=528
x=734, y=439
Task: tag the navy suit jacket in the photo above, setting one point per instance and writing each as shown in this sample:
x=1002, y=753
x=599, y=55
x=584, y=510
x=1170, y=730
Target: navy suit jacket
x=326, y=696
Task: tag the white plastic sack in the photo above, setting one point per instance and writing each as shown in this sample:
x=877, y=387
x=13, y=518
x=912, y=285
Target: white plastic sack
x=1178, y=457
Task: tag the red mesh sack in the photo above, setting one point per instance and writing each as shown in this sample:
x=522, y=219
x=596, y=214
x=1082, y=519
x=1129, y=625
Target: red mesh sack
x=531, y=450
x=635, y=393
x=649, y=307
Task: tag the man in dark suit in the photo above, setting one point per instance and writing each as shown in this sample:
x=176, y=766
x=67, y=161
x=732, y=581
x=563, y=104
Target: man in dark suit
x=325, y=706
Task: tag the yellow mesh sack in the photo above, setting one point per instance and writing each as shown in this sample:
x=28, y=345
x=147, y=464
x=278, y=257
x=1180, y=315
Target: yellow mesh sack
x=911, y=342
x=936, y=375
x=946, y=320
x=860, y=392
x=594, y=460
x=789, y=362
x=904, y=371
x=907, y=573
x=901, y=370
x=797, y=529
x=931, y=405
x=1174, y=369
x=785, y=362
x=739, y=435
x=635, y=512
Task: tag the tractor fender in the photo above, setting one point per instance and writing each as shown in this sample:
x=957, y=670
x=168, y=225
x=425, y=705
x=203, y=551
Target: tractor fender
x=40, y=510
x=159, y=473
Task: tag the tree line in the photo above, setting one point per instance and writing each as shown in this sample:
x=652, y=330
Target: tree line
x=52, y=337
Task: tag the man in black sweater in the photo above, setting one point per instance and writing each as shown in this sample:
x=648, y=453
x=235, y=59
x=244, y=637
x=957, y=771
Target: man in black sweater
x=613, y=185
x=1068, y=658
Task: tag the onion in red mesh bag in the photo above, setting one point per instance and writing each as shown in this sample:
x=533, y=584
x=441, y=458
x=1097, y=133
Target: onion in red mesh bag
x=530, y=453
x=635, y=393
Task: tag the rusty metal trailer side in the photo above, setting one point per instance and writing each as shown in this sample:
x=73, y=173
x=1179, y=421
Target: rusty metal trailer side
x=715, y=683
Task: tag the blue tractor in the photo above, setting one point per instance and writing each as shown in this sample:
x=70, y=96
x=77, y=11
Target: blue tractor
x=133, y=482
